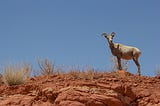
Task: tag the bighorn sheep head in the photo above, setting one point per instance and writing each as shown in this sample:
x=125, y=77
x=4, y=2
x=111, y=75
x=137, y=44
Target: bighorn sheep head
x=109, y=37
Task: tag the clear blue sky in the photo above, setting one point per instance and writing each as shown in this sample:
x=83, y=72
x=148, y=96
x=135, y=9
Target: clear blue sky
x=67, y=32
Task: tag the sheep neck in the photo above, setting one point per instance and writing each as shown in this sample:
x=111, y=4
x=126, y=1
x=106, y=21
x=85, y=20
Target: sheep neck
x=113, y=48
x=111, y=45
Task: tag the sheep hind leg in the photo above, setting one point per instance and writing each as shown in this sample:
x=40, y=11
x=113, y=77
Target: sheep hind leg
x=138, y=66
x=119, y=63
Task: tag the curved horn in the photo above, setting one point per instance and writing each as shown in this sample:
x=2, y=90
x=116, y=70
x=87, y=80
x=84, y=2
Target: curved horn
x=104, y=34
x=113, y=33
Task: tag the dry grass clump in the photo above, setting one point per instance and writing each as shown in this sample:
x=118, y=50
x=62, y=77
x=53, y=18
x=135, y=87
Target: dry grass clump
x=87, y=74
x=1, y=79
x=90, y=74
x=74, y=73
x=157, y=71
x=46, y=67
x=16, y=74
x=114, y=64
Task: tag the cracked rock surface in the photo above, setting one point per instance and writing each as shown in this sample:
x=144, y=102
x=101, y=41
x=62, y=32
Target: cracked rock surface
x=104, y=89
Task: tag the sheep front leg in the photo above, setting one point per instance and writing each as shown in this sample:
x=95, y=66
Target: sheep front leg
x=119, y=63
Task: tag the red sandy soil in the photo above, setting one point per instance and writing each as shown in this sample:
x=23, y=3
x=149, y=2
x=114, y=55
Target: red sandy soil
x=103, y=89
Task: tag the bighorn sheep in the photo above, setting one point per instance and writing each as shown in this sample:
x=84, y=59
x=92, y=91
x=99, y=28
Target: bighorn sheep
x=122, y=51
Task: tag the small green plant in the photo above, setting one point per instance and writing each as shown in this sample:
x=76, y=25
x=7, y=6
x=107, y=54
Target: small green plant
x=16, y=74
x=46, y=67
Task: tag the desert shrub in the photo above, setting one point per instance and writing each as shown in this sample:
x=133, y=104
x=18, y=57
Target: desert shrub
x=16, y=74
x=87, y=74
x=59, y=70
x=90, y=73
x=74, y=72
x=157, y=71
x=1, y=80
x=114, y=64
x=46, y=67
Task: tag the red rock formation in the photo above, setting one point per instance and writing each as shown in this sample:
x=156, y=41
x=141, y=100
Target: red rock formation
x=109, y=89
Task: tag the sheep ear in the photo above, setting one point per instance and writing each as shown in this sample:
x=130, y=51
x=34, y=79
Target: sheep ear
x=112, y=34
